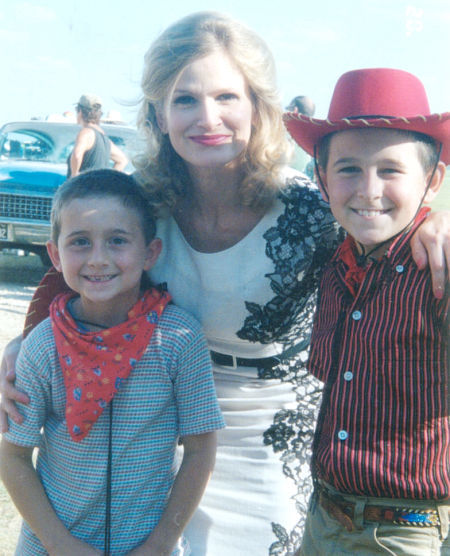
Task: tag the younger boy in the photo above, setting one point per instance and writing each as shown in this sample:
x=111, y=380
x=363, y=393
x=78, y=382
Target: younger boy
x=115, y=376
x=381, y=450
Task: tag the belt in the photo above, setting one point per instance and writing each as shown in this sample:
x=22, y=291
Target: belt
x=226, y=360
x=344, y=512
x=231, y=361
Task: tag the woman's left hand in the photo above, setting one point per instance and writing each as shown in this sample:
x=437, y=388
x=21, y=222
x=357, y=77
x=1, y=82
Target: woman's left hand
x=430, y=246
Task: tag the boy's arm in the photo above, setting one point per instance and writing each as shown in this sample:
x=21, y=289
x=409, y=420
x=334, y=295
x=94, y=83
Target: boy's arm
x=188, y=487
x=26, y=490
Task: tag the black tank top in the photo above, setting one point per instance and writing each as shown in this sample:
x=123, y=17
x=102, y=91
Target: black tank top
x=98, y=156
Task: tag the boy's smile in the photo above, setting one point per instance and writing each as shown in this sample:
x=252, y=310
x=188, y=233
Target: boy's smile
x=375, y=182
x=102, y=253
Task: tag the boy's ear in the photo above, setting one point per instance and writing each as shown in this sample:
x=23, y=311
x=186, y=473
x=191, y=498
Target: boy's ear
x=436, y=182
x=152, y=254
x=53, y=253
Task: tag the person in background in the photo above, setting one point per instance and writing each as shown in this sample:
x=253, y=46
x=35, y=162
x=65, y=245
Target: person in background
x=381, y=456
x=93, y=149
x=302, y=105
x=302, y=161
x=245, y=241
x=116, y=376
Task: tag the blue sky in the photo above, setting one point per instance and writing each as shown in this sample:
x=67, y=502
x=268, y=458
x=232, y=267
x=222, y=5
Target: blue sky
x=54, y=50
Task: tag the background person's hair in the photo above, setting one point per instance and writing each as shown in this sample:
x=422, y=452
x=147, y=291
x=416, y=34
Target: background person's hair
x=90, y=115
x=161, y=169
x=105, y=183
x=303, y=104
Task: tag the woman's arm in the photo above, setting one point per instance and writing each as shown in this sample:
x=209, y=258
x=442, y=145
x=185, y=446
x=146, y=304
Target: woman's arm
x=85, y=140
x=118, y=157
x=187, y=491
x=431, y=246
x=26, y=490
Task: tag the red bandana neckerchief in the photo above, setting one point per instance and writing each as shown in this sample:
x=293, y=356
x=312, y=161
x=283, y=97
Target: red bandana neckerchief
x=355, y=274
x=95, y=364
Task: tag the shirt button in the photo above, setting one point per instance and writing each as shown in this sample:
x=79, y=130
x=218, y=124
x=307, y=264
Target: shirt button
x=399, y=268
x=342, y=435
x=356, y=315
x=348, y=375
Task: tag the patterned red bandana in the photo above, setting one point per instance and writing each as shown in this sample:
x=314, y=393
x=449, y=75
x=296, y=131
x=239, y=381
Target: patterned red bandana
x=95, y=364
x=355, y=274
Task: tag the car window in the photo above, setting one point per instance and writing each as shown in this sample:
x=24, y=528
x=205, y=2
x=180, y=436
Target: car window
x=66, y=152
x=52, y=142
x=119, y=141
x=26, y=145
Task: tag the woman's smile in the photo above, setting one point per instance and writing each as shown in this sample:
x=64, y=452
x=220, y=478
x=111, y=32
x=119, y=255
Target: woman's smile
x=210, y=140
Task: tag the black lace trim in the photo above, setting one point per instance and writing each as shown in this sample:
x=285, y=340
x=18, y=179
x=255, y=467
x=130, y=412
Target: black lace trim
x=300, y=245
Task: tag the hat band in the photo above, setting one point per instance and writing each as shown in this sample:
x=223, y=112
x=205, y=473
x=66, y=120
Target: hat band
x=369, y=117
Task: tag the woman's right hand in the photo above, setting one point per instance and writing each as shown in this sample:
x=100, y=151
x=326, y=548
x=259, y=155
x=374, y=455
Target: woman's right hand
x=9, y=394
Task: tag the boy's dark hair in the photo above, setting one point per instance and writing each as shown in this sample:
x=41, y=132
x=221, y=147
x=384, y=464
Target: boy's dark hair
x=427, y=148
x=105, y=183
x=90, y=115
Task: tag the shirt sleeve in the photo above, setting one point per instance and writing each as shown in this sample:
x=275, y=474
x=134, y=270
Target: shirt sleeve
x=198, y=408
x=32, y=377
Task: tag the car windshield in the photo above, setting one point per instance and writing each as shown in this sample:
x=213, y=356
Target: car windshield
x=48, y=142
x=27, y=145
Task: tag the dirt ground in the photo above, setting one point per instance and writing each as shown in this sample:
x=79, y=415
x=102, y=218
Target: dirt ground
x=19, y=275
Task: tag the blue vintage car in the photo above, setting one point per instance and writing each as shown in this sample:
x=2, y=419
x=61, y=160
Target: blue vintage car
x=33, y=163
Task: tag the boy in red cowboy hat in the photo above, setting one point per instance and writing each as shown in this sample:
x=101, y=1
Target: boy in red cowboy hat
x=381, y=452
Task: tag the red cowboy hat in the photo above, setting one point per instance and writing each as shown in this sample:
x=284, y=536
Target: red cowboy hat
x=380, y=98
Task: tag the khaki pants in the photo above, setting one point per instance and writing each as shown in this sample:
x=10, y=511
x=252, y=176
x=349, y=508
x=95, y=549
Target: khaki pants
x=324, y=535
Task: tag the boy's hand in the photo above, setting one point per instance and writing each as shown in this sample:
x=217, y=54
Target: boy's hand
x=431, y=245
x=9, y=394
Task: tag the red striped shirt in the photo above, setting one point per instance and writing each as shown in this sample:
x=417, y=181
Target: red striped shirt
x=384, y=426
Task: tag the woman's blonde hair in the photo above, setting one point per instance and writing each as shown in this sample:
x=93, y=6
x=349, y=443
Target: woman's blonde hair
x=160, y=168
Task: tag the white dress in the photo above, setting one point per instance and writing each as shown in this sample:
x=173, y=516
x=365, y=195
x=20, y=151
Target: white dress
x=256, y=300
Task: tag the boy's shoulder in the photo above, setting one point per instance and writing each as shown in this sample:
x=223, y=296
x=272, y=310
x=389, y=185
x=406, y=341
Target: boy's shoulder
x=173, y=318
x=176, y=319
x=38, y=351
x=40, y=337
x=396, y=269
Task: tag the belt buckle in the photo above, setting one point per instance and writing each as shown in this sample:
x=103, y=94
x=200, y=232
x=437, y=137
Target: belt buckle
x=234, y=364
x=417, y=518
x=410, y=517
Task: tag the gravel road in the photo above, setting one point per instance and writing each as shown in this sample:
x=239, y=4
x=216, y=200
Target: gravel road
x=18, y=278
